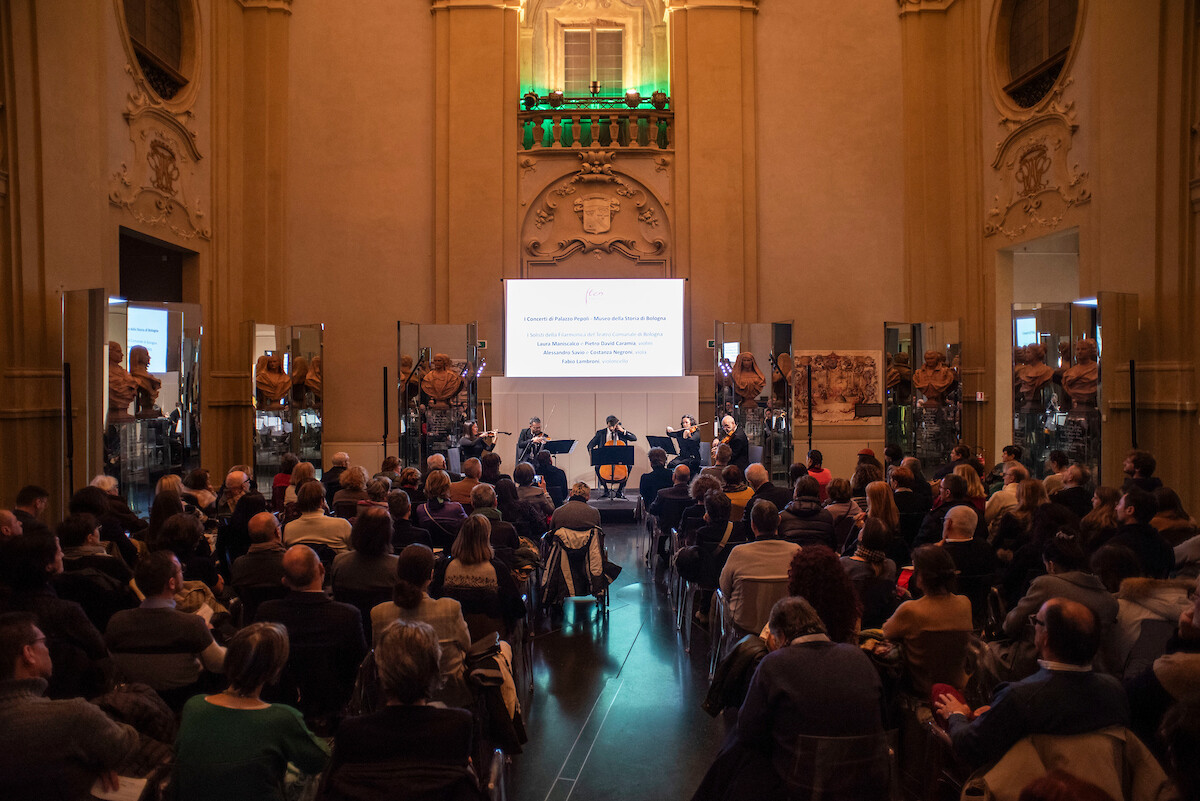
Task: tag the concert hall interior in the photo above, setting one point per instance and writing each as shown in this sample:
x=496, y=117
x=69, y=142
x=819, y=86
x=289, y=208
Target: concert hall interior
x=246, y=235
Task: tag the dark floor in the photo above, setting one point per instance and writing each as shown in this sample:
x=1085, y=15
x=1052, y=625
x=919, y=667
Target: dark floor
x=615, y=712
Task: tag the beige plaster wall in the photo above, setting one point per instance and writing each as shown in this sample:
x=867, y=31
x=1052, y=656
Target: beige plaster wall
x=360, y=193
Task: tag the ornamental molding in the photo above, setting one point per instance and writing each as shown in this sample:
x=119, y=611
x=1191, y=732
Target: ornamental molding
x=1037, y=183
x=596, y=210
x=695, y=5
x=268, y=5
x=923, y=6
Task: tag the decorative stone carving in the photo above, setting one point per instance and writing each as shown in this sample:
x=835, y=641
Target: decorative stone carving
x=614, y=213
x=1038, y=183
x=158, y=183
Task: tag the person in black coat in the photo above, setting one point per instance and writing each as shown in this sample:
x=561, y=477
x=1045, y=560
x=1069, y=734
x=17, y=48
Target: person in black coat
x=612, y=432
x=954, y=493
x=1075, y=493
x=404, y=533
x=555, y=477
x=757, y=478
x=1135, y=510
x=912, y=507
x=735, y=438
x=804, y=521
x=659, y=477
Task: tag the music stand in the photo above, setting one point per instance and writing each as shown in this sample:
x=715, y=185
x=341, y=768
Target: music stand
x=559, y=446
x=612, y=455
x=666, y=443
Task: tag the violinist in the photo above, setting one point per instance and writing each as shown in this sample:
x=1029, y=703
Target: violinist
x=687, y=440
x=530, y=441
x=606, y=475
x=474, y=443
x=735, y=438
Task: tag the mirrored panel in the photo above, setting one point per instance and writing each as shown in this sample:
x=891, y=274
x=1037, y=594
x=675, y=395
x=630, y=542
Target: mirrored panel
x=923, y=390
x=287, y=397
x=152, y=422
x=753, y=371
x=437, y=390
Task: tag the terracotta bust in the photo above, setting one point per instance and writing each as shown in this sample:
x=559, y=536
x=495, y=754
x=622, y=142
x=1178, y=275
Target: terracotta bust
x=1082, y=380
x=441, y=384
x=934, y=379
x=747, y=378
x=270, y=382
x=1035, y=373
x=122, y=389
x=147, y=385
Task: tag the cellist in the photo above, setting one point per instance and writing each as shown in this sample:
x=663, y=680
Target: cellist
x=612, y=434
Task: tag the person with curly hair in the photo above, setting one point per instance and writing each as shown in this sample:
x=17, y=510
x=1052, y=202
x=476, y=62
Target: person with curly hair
x=817, y=576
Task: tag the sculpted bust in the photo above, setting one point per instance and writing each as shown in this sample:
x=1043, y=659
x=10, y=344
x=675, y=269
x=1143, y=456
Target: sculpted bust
x=122, y=389
x=441, y=383
x=747, y=378
x=1082, y=380
x=271, y=383
x=147, y=385
x=934, y=379
x=1035, y=373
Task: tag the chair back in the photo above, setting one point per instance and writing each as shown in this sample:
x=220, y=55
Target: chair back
x=942, y=656
x=252, y=597
x=347, y=510
x=757, y=594
x=277, y=496
x=364, y=601
x=828, y=768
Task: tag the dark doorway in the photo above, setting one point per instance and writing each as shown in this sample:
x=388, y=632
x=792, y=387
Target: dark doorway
x=150, y=270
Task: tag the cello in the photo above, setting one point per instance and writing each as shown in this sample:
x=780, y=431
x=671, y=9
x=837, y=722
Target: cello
x=616, y=473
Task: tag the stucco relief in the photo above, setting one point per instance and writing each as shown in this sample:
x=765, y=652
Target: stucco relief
x=1036, y=181
x=158, y=183
x=598, y=209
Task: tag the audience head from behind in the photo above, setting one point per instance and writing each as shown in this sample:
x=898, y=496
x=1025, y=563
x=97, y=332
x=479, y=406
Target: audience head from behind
x=1112, y=564
x=10, y=525
x=414, y=571
x=816, y=459
x=796, y=472
x=437, y=485
x=545, y=460
x=1062, y=553
x=310, y=498
x=1136, y=506
x=764, y=520
x=756, y=476
x=864, y=474
x=302, y=569
x=892, y=455
x=483, y=496
x=1139, y=464
x=29, y=562
x=399, y=504
x=960, y=523
x=179, y=534
x=106, y=484
x=702, y=486
x=657, y=458
x=723, y=455
x=902, y=478
x=732, y=476
x=815, y=573
x=1180, y=735
x=341, y=459
x=792, y=617
x=1015, y=473
x=873, y=542
x=954, y=488
x=354, y=478
x=23, y=650
x=473, y=544
x=378, y=488
x=933, y=570
x=263, y=527
x=77, y=530
x=914, y=466
x=974, y=484
x=287, y=463
x=491, y=462
x=200, y=479
x=1058, y=461
x=410, y=478
x=89, y=500
x=408, y=657
x=1066, y=631
x=158, y=574
x=682, y=474
x=237, y=484
x=254, y=658
x=303, y=472
x=523, y=474
x=371, y=533
x=580, y=491
x=1077, y=475
x=32, y=499
x=390, y=464
x=717, y=507
x=806, y=487
x=838, y=491
x=472, y=468
x=435, y=462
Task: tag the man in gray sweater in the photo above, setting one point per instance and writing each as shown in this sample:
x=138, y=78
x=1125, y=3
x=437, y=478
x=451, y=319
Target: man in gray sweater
x=49, y=749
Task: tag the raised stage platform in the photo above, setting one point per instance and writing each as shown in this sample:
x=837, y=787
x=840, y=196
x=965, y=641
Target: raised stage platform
x=615, y=510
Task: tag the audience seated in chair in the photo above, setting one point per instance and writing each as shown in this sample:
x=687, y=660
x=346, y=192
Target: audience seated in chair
x=363, y=576
x=766, y=558
x=313, y=526
x=483, y=584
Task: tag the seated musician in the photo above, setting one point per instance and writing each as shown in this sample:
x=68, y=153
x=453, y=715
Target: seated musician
x=687, y=439
x=530, y=441
x=474, y=443
x=612, y=433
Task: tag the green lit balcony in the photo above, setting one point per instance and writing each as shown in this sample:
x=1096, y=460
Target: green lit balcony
x=629, y=121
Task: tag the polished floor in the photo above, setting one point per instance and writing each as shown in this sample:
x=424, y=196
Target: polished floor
x=615, y=712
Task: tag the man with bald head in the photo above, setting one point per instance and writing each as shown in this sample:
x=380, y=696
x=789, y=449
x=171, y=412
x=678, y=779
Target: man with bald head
x=1064, y=697
x=262, y=565
x=669, y=504
x=331, y=479
x=460, y=491
x=242, y=503
x=10, y=526
x=326, y=638
x=735, y=437
x=759, y=481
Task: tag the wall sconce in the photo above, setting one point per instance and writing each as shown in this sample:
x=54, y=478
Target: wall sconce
x=659, y=100
x=633, y=98
x=556, y=98
x=594, y=88
x=531, y=99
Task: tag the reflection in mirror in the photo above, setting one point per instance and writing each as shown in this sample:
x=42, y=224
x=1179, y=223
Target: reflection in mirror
x=437, y=388
x=287, y=404
x=923, y=390
x=752, y=385
x=152, y=423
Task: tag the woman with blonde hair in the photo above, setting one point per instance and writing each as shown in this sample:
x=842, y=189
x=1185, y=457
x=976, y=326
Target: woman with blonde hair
x=482, y=584
x=305, y=471
x=975, y=491
x=1100, y=524
x=881, y=506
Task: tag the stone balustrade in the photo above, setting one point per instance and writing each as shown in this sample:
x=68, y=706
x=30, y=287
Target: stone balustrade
x=575, y=128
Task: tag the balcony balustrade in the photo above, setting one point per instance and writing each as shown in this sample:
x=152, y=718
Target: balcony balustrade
x=613, y=127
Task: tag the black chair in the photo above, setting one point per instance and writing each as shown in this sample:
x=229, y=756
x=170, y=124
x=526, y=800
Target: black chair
x=364, y=601
x=252, y=596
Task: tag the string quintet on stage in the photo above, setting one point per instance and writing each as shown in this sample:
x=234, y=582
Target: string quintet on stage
x=609, y=449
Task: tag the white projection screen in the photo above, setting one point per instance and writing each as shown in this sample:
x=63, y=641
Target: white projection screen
x=589, y=328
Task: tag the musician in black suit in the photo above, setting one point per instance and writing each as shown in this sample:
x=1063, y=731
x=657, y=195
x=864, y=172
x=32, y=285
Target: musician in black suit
x=530, y=441
x=687, y=440
x=733, y=436
x=613, y=432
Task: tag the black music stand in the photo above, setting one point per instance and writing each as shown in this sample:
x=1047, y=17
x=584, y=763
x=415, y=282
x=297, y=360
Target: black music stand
x=612, y=455
x=556, y=447
x=666, y=443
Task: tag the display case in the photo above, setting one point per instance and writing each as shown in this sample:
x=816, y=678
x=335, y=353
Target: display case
x=753, y=371
x=922, y=393
x=287, y=389
x=1060, y=401
x=437, y=389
